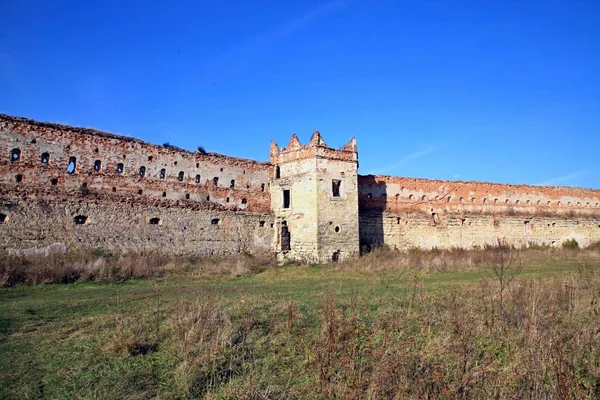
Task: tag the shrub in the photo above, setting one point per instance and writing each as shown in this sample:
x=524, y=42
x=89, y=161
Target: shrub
x=570, y=244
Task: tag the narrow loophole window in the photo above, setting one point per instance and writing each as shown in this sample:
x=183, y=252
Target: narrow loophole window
x=97, y=165
x=232, y=184
x=180, y=176
x=45, y=158
x=197, y=179
x=80, y=219
x=162, y=174
x=215, y=181
x=120, y=168
x=286, y=198
x=277, y=172
x=154, y=221
x=142, y=171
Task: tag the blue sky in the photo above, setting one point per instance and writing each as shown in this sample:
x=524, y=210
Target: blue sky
x=501, y=91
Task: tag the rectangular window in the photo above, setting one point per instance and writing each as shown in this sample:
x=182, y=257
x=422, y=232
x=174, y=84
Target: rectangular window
x=286, y=198
x=335, y=187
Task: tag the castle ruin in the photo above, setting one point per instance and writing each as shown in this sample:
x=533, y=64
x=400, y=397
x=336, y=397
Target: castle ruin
x=83, y=188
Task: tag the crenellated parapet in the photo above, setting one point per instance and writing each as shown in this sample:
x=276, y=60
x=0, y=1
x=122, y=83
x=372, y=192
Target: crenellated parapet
x=316, y=148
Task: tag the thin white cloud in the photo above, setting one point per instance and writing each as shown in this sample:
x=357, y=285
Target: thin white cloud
x=310, y=17
x=404, y=159
x=564, y=179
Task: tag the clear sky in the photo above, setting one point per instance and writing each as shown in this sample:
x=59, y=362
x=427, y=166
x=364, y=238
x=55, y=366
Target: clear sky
x=502, y=91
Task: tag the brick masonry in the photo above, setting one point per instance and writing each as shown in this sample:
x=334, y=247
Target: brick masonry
x=83, y=187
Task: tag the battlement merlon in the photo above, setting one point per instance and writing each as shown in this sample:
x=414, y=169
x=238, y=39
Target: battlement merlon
x=316, y=148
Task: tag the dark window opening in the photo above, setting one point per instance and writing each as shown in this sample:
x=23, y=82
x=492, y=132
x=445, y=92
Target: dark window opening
x=175, y=163
x=114, y=189
x=369, y=195
x=215, y=181
x=207, y=198
x=120, y=168
x=337, y=229
x=286, y=198
x=286, y=237
x=15, y=155
x=244, y=201
x=221, y=169
x=164, y=194
x=80, y=219
x=398, y=221
x=335, y=257
x=45, y=158
x=262, y=187
x=232, y=184
x=154, y=221
x=54, y=182
x=197, y=179
x=335, y=187
x=150, y=158
x=19, y=178
x=142, y=171
x=277, y=172
x=33, y=141
x=187, y=196
x=4, y=218
x=97, y=165
x=140, y=191
x=197, y=165
x=261, y=223
x=180, y=176
x=215, y=221
x=162, y=174
x=96, y=150
x=72, y=165
x=227, y=200
x=68, y=147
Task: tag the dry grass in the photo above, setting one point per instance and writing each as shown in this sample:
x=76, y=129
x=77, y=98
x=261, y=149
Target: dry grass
x=99, y=265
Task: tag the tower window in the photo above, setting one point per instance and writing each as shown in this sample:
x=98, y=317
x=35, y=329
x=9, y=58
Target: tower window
x=197, y=179
x=180, y=176
x=262, y=187
x=215, y=181
x=120, y=168
x=232, y=184
x=80, y=219
x=97, y=165
x=286, y=237
x=335, y=187
x=162, y=174
x=142, y=171
x=277, y=172
x=286, y=198
x=45, y=158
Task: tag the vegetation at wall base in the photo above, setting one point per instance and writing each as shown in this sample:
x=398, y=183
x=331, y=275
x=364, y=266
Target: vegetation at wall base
x=424, y=324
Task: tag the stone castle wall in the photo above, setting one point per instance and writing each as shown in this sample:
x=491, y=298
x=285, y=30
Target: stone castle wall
x=407, y=212
x=82, y=187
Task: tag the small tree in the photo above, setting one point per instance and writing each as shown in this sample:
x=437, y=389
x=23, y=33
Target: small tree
x=505, y=266
x=201, y=150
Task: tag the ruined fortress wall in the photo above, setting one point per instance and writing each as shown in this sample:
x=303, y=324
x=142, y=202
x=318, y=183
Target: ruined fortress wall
x=407, y=212
x=132, y=227
x=117, y=184
x=126, y=166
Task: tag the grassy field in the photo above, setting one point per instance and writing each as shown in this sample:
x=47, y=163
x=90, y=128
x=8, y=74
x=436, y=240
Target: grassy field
x=354, y=330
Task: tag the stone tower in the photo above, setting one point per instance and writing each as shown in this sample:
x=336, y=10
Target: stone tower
x=314, y=197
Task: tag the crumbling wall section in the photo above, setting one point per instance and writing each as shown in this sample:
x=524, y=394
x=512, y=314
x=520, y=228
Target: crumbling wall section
x=41, y=155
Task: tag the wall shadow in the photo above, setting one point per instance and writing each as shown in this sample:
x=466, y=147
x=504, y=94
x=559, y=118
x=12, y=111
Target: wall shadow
x=372, y=198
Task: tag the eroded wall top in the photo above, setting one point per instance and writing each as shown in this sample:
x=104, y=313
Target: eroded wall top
x=399, y=195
